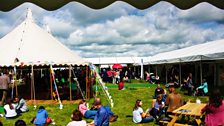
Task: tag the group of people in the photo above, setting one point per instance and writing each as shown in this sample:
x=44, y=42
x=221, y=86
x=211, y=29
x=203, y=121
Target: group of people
x=202, y=90
x=13, y=110
x=151, y=78
x=173, y=101
x=102, y=115
x=214, y=110
x=116, y=75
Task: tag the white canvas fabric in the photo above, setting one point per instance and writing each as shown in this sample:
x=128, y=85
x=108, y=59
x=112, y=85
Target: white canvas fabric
x=213, y=50
x=34, y=46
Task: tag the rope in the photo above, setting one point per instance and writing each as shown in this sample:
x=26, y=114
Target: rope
x=56, y=89
x=78, y=85
x=104, y=88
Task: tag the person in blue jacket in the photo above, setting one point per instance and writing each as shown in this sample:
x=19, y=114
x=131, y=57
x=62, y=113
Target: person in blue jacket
x=203, y=89
x=41, y=117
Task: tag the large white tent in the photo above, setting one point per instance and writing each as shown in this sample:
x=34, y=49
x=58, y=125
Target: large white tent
x=213, y=50
x=31, y=45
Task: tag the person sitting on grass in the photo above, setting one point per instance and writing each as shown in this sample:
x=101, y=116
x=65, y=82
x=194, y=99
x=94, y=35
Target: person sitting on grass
x=138, y=115
x=157, y=107
x=77, y=119
x=158, y=91
x=88, y=114
x=41, y=118
x=9, y=108
x=102, y=115
x=21, y=106
x=20, y=123
x=203, y=89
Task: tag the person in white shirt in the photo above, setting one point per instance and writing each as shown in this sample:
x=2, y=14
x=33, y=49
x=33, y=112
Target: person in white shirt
x=9, y=108
x=21, y=106
x=77, y=119
x=138, y=115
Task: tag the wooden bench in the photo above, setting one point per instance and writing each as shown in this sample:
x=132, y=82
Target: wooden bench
x=165, y=123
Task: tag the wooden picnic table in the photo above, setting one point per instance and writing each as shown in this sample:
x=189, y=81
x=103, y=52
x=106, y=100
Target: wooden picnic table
x=189, y=109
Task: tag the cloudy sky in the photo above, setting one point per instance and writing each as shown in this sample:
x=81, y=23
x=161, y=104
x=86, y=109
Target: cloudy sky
x=122, y=30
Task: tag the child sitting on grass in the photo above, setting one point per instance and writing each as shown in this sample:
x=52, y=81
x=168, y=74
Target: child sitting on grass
x=41, y=118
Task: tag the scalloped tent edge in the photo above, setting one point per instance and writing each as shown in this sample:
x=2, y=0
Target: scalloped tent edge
x=7, y=5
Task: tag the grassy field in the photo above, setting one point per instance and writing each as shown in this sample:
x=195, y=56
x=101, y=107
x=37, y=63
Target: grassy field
x=124, y=101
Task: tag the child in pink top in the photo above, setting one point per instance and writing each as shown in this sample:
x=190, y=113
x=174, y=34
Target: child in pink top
x=214, y=109
x=89, y=114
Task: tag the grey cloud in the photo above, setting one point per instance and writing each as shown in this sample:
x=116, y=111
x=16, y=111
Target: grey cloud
x=86, y=16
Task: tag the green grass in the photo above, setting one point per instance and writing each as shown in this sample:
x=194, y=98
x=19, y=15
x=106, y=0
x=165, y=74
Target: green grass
x=124, y=101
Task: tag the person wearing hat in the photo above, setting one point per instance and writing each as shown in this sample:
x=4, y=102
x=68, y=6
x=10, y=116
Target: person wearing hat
x=173, y=100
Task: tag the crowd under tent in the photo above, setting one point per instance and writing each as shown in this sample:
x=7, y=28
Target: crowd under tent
x=205, y=61
x=136, y=63
x=31, y=51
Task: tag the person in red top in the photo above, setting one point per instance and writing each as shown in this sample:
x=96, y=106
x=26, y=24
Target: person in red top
x=121, y=85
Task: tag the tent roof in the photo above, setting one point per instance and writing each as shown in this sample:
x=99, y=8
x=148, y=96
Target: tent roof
x=213, y=50
x=113, y=60
x=30, y=44
x=7, y=5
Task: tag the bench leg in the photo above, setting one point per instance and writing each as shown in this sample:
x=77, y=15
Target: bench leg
x=172, y=121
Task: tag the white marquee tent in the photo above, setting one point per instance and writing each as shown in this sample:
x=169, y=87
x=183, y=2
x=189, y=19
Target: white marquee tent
x=213, y=50
x=32, y=45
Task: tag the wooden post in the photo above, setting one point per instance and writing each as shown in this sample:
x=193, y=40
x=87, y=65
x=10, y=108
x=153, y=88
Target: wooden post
x=16, y=82
x=70, y=82
x=51, y=83
x=32, y=82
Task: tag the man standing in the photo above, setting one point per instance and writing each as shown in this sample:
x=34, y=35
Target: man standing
x=102, y=115
x=4, y=85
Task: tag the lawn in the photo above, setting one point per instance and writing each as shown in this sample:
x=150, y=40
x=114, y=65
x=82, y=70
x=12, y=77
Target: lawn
x=124, y=101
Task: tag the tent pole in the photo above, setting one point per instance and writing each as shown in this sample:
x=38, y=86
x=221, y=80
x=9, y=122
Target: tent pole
x=201, y=70
x=180, y=73
x=31, y=85
x=51, y=84
x=87, y=83
x=142, y=69
x=34, y=95
x=215, y=73
x=166, y=72
x=70, y=82
x=156, y=69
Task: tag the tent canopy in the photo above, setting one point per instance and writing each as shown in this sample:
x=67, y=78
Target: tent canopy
x=31, y=45
x=213, y=50
x=7, y=5
x=116, y=60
